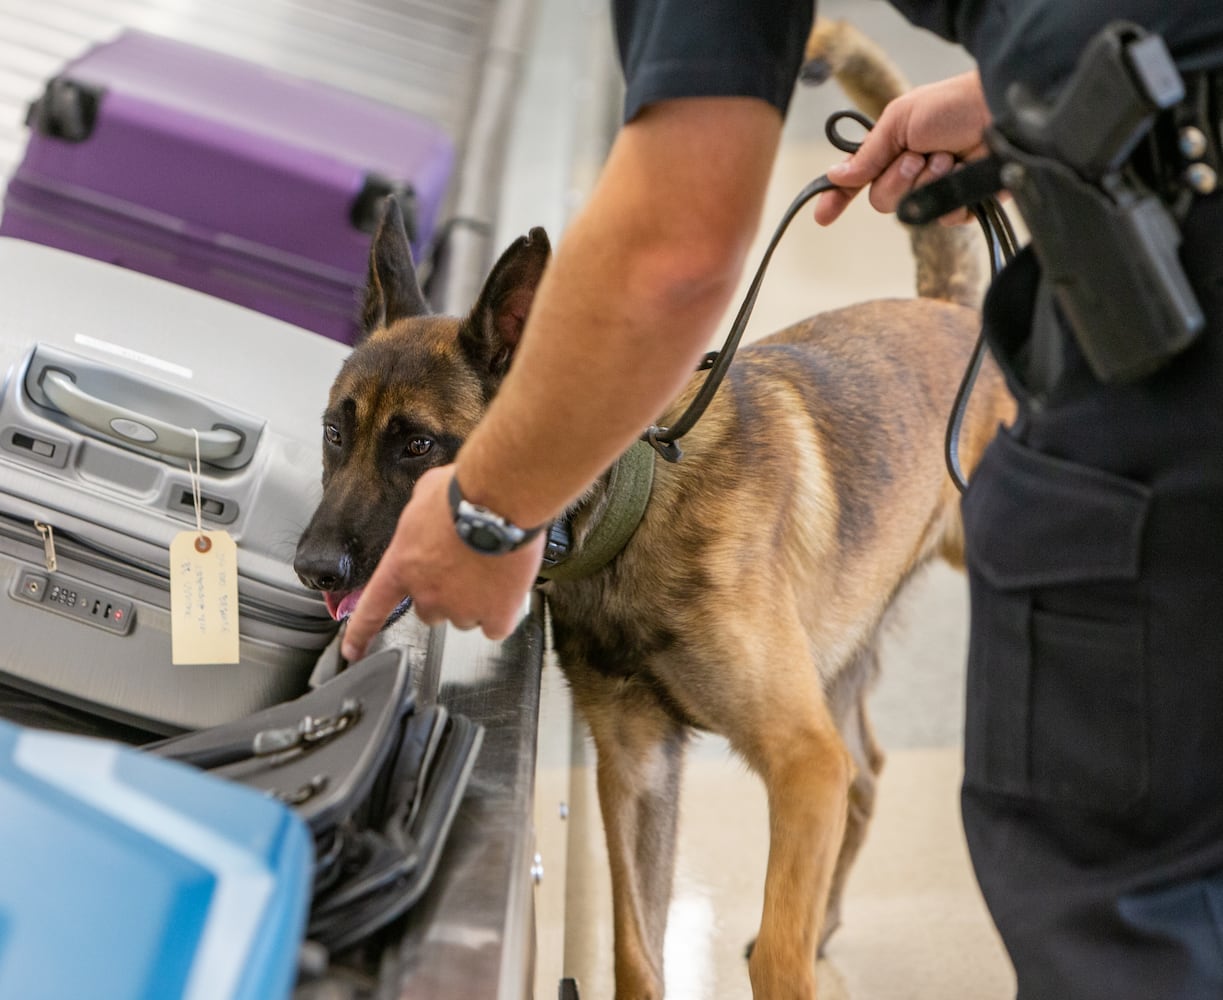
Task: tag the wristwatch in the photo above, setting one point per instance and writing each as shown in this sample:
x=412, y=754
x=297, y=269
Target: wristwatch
x=486, y=532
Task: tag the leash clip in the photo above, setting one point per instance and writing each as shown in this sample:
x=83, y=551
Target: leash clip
x=669, y=450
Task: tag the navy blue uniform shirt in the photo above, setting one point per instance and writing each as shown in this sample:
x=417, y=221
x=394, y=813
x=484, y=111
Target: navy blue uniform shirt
x=710, y=48
x=753, y=48
x=1037, y=42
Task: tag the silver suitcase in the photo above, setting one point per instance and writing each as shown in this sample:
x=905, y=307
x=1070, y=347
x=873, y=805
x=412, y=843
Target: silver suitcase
x=106, y=379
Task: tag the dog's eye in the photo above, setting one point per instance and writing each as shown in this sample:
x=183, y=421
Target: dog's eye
x=331, y=434
x=417, y=447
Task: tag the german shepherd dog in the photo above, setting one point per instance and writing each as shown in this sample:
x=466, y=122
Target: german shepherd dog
x=748, y=600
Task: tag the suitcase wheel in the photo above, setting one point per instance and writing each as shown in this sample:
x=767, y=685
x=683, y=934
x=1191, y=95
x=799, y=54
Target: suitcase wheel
x=66, y=110
x=367, y=206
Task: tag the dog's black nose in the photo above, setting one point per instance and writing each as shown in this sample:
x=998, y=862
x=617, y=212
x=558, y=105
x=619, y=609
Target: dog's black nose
x=322, y=568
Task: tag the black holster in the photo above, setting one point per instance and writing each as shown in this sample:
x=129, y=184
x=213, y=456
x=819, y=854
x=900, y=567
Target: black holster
x=1107, y=243
x=1111, y=259
x=1106, y=239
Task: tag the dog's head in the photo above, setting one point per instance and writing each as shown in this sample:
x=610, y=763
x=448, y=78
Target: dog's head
x=406, y=398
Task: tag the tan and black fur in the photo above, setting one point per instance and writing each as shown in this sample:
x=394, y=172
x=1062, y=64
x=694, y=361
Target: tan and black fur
x=749, y=599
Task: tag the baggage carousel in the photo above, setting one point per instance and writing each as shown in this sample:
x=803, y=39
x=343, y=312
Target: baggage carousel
x=527, y=88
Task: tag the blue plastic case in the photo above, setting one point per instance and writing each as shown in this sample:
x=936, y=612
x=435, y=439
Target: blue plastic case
x=127, y=877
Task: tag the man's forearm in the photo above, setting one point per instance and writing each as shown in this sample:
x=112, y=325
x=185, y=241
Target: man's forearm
x=625, y=310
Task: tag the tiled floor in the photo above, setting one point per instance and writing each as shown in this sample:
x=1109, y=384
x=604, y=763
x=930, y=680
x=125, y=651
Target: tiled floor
x=914, y=926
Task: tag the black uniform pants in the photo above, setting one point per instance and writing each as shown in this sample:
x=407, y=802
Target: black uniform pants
x=1093, y=787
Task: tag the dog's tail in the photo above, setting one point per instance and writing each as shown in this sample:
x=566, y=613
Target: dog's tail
x=948, y=258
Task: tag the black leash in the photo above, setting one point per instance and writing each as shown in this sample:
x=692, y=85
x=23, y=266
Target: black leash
x=999, y=234
x=664, y=439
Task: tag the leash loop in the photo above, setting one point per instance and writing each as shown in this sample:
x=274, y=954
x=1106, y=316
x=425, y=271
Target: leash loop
x=832, y=129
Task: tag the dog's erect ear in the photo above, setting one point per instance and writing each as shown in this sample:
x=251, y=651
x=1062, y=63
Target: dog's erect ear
x=494, y=328
x=392, y=291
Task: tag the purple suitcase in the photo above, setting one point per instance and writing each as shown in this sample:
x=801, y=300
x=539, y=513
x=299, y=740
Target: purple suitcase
x=224, y=176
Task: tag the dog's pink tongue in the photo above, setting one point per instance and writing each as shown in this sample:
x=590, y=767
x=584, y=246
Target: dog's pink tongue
x=341, y=604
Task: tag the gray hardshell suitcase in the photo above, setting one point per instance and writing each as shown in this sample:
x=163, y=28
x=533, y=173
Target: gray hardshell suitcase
x=106, y=375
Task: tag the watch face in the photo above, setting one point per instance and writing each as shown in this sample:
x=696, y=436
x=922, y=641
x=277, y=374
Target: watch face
x=482, y=533
x=481, y=529
x=482, y=537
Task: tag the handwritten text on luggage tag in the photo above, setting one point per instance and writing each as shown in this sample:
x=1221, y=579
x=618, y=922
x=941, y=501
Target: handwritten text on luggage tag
x=203, y=598
x=203, y=589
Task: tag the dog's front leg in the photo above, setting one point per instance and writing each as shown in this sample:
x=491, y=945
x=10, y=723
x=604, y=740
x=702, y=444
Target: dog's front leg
x=640, y=751
x=791, y=741
x=808, y=784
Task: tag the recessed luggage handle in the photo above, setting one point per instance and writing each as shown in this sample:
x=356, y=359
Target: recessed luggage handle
x=138, y=428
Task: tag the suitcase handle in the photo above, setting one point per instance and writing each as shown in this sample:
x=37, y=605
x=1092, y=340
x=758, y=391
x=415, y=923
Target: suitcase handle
x=138, y=428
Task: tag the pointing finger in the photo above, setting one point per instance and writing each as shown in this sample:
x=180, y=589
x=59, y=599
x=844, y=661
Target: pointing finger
x=381, y=596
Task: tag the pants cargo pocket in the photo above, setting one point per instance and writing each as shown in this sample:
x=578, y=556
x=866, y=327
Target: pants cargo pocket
x=1057, y=692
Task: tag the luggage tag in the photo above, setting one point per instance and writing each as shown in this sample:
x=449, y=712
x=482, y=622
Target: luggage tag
x=203, y=589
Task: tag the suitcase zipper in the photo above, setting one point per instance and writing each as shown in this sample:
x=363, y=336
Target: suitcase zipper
x=97, y=556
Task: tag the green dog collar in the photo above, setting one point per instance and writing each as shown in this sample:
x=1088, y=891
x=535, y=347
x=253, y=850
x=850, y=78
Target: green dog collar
x=628, y=491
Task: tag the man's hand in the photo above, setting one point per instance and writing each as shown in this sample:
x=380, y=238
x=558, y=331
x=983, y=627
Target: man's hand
x=446, y=580
x=920, y=137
